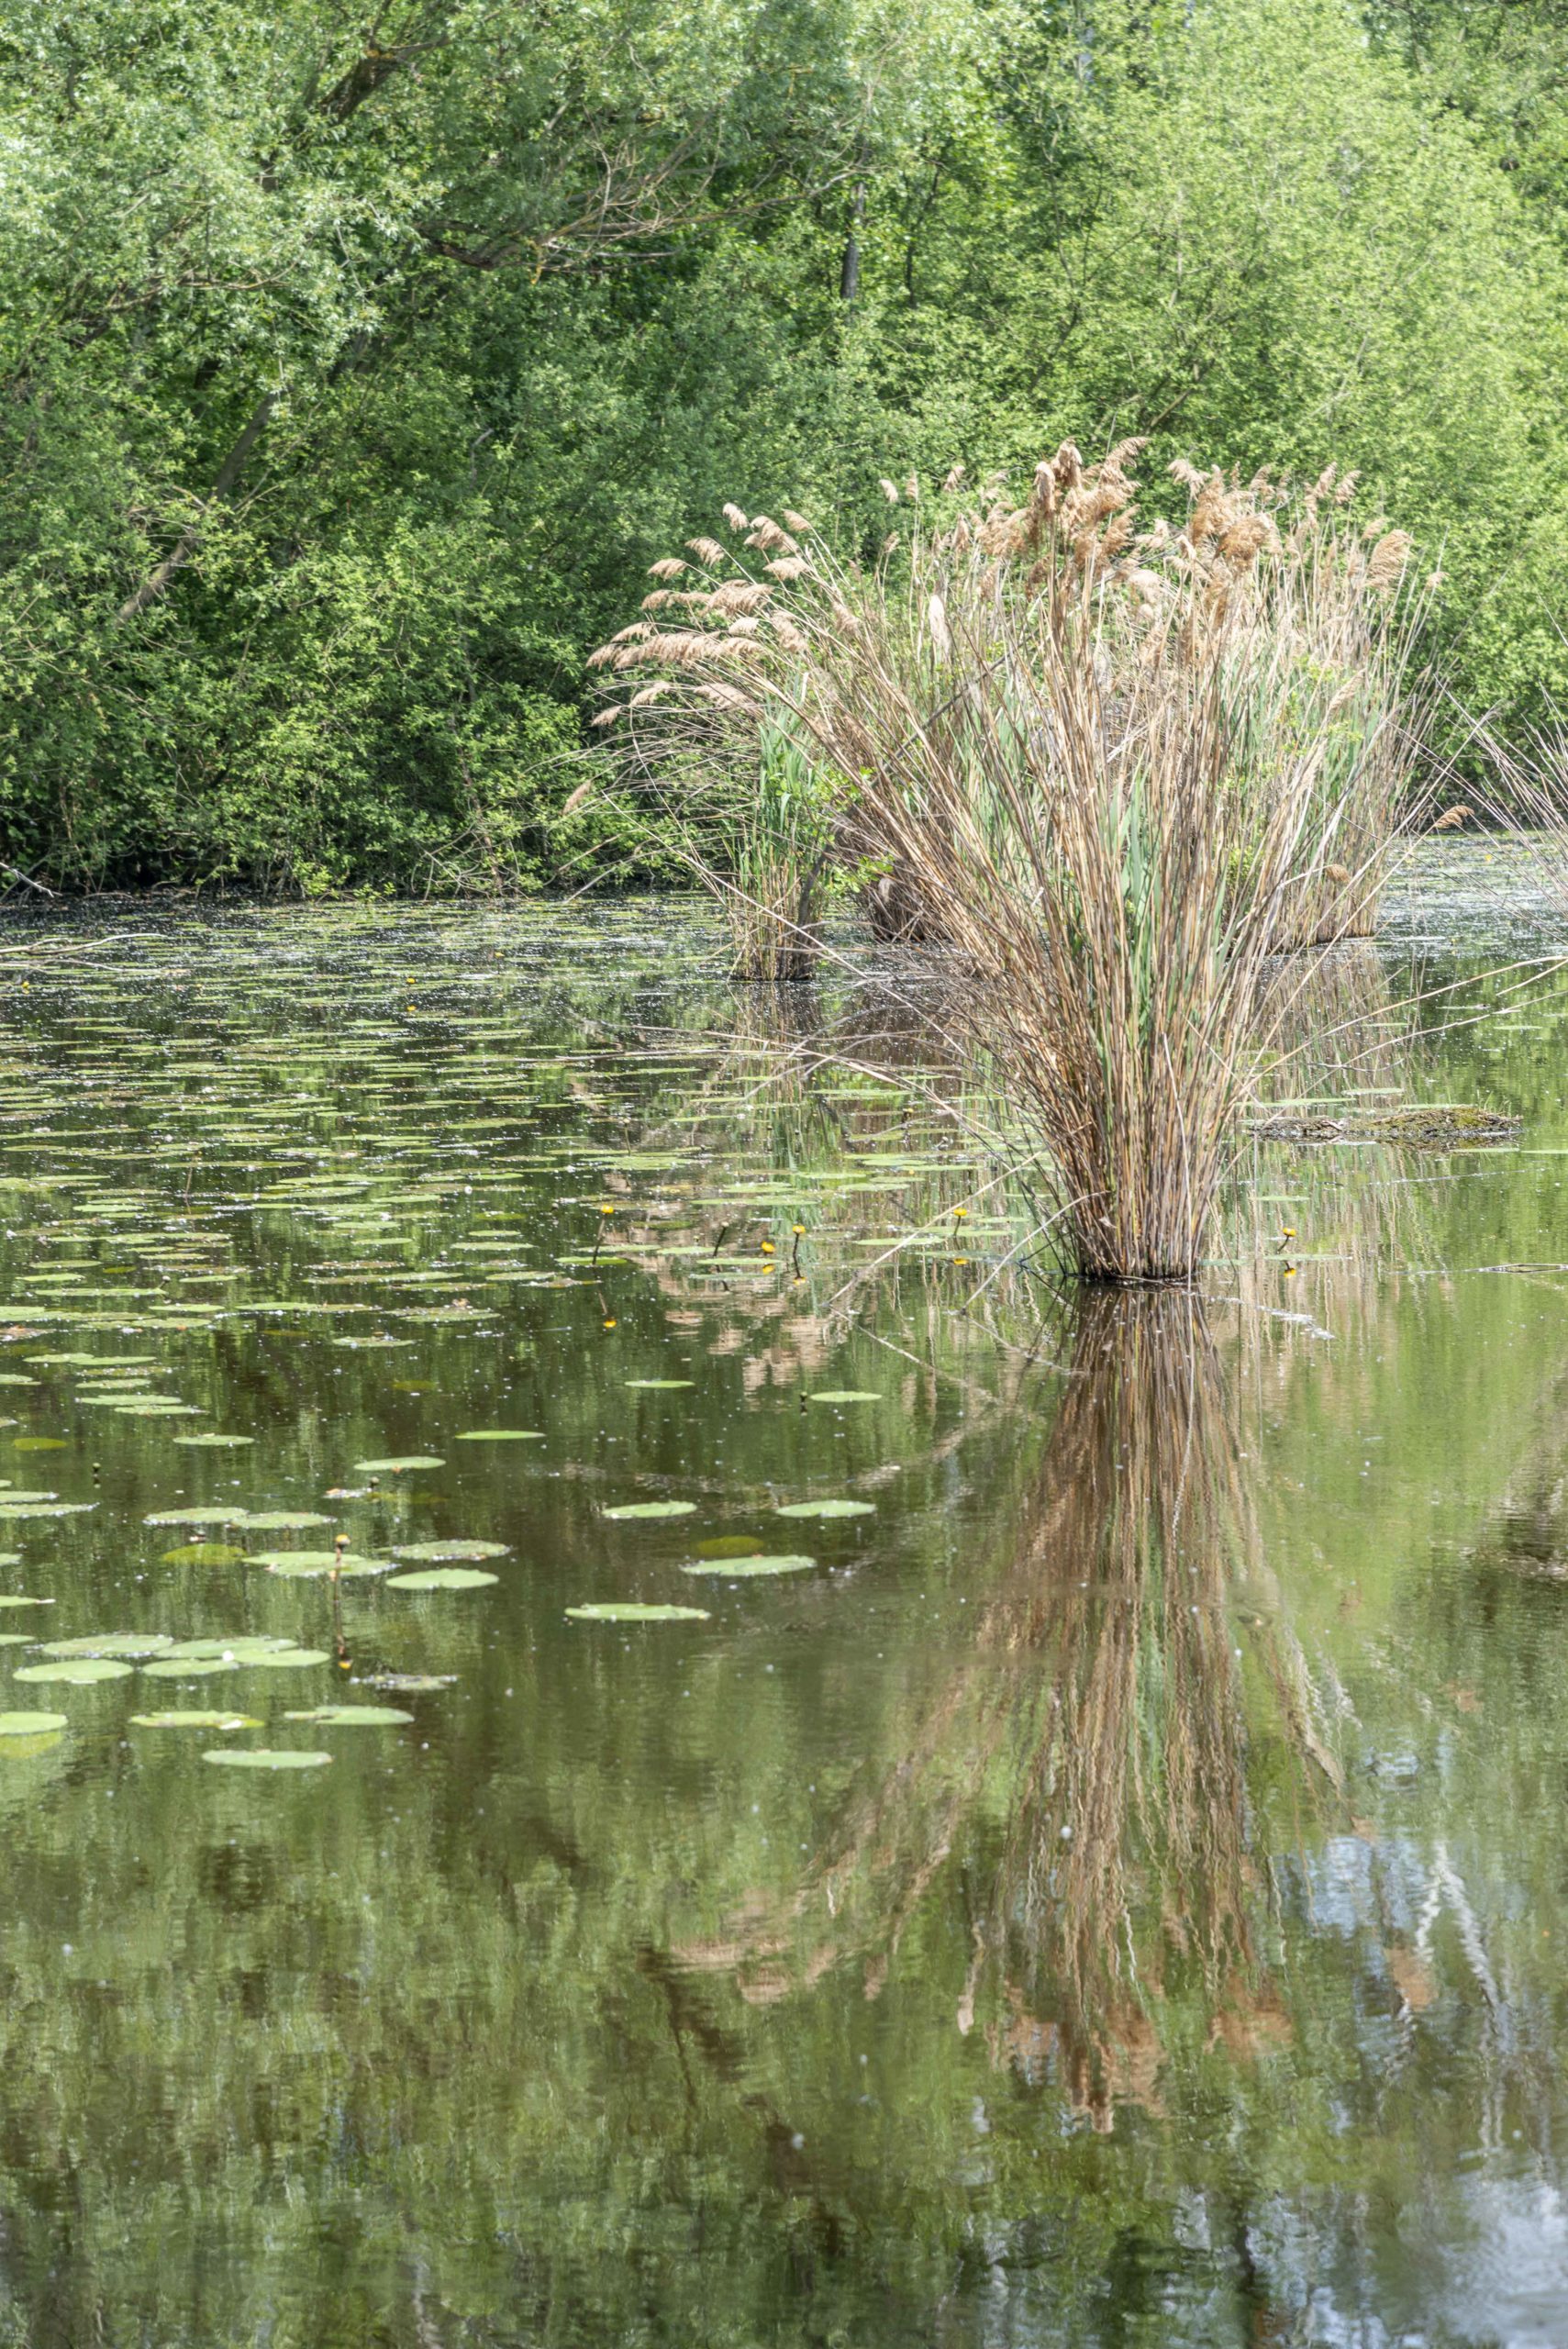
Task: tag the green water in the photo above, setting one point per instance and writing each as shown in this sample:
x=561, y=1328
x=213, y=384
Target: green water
x=1108, y=1886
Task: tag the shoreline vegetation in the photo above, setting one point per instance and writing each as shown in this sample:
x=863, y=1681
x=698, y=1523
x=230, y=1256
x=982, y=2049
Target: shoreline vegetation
x=353, y=373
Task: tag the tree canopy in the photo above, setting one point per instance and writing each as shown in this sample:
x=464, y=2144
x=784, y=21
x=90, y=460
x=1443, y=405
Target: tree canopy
x=352, y=374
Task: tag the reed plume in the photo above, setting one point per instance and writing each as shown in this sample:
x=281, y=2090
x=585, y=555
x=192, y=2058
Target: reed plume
x=1115, y=770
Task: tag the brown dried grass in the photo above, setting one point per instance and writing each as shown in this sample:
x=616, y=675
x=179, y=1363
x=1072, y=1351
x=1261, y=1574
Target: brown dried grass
x=1115, y=770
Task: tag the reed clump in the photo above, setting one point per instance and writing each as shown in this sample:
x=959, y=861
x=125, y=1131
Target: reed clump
x=1115, y=770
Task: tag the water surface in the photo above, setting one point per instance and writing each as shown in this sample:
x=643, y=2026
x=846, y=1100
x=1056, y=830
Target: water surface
x=1106, y=1885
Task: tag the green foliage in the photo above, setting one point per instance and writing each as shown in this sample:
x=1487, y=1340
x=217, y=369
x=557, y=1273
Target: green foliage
x=349, y=380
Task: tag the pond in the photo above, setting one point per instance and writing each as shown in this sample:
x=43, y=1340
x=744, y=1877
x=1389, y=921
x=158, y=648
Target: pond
x=844, y=1793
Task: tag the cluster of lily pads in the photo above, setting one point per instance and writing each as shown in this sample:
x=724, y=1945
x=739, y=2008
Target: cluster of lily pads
x=183, y=1106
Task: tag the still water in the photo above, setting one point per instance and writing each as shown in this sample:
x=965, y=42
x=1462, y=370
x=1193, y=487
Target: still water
x=1075, y=1852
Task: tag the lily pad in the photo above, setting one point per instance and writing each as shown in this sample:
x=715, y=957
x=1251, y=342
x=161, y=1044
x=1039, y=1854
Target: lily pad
x=847, y=1394
x=281, y=1520
x=214, y=1513
x=827, y=1508
x=281, y=1659
x=727, y=1546
x=148, y=1407
x=633, y=1509
x=201, y=1553
x=30, y=1724
x=78, y=1670
x=450, y=1552
x=244, y=1647
x=134, y=1644
x=353, y=1717
x=15, y=1598
x=755, y=1565
x=189, y=1667
x=627, y=1612
x=442, y=1578
x=396, y=1468
x=501, y=1435
x=211, y=1441
x=192, y=1720
x=411, y=1684
x=15, y=1509
x=658, y=1385
x=318, y=1562
x=265, y=1757
x=39, y=1443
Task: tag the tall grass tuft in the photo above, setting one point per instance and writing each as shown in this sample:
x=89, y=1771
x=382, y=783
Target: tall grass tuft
x=1115, y=770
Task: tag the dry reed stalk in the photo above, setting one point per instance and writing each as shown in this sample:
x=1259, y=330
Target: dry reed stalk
x=1116, y=771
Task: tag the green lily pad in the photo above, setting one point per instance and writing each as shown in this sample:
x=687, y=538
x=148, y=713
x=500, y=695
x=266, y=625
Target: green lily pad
x=148, y=1407
x=442, y=1578
x=134, y=1644
x=827, y=1508
x=280, y=1520
x=189, y=1667
x=501, y=1435
x=211, y=1441
x=265, y=1757
x=396, y=1468
x=847, y=1394
x=318, y=1562
x=658, y=1385
x=39, y=1443
x=450, y=1552
x=627, y=1612
x=191, y=1721
x=411, y=1684
x=754, y=1565
x=633, y=1509
x=243, y=1647
x=353, y=1717
x=98, y=1362
x=214, y=1513
x=201, y=1553
x=281, y=1659
x=15, y=1509
x=79, y=1670
x=727, y=1546
x=15, y=1598
x=30, y=1724
x=16, y=1379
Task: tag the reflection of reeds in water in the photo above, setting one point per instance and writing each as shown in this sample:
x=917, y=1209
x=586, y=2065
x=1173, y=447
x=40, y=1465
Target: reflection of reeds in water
x=1089, y=1746
x=1332, y=1026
